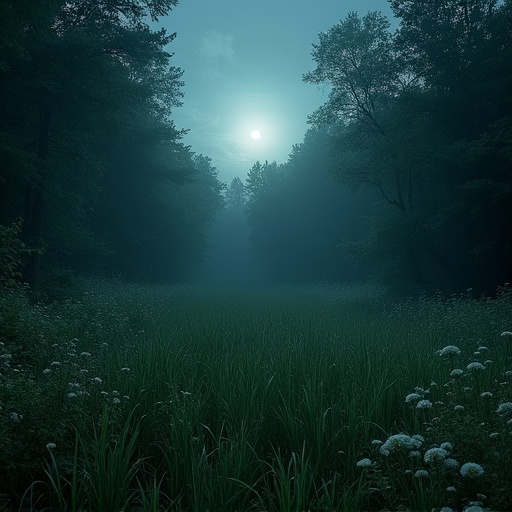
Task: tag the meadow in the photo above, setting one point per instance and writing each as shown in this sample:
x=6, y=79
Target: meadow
x=321, y=398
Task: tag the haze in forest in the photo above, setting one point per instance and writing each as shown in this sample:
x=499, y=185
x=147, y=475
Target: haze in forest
x=235, y=143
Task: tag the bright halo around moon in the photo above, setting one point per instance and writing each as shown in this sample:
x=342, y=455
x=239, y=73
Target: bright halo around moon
x=255, y=135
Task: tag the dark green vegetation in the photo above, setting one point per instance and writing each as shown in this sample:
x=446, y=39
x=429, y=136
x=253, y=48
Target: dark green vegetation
x=415, y=138
x=90, y=159
x=421, y=119
x=120, y=397
x=180, y=399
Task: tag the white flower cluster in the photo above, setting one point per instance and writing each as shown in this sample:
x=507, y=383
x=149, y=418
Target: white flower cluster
x=401, y=442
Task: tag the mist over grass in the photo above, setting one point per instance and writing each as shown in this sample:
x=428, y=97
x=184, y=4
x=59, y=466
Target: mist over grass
x=181, y=398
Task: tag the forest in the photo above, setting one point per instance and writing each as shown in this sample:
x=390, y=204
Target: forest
x=331, y=332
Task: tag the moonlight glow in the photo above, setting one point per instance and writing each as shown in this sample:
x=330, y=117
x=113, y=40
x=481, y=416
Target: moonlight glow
x=255, y=135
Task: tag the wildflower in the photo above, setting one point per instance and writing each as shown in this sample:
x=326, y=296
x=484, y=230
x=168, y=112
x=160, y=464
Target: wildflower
x=486, y=394
x=97, y=379
x=458, y=408
x=72, y=395
x=51, y=446
x=424, y=404
x=456, y=373
x=46, y=371
x=412, y=396
x=450, y=350
x=125, y=369
x=421, y=473
x=435, y=454
x=186, y=393
x=376, y=442
x=451, y=489
x=85, y=354
x=475, y=366
x=55, y=363
x=15, y=417
x=504, y=408
x=508, y=373
x=451, y=464
x=6, y=357
x=419, y=438
x=400, y=442
x=116, y=401
x=364, y=463
x=505, y=334
x=482, y=349
x=422, y=391
x=415, y=454
x=115, y=393
x=446, y=509
x=447, y=446
x=104, y=393
x=494, y=435
x=471, y=470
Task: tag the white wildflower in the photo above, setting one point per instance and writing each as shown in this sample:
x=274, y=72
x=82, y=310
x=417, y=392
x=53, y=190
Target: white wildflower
x=458, y=408
x=435, y=454
x=364, y=463
x=451, y=463
x=475, y=366
x=450, y=350
x=51, y=446
x=400, y=442
x=424, y=404
x=486, y=394
x=447, y=446
x=505, y=334
x=412, y=396
x=72, y=395
x=504, y=408
x=85, y=354
x=456, y=373
x=46, y=371
x=421, y=473
x=116, y=401
x=471, y=470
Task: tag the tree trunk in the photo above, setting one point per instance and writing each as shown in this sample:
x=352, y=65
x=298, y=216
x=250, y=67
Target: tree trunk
x=34, y=206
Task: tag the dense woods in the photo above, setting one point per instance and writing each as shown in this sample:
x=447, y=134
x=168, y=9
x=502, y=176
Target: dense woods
x=419, y=122
x=405, y=171
x=92, y=163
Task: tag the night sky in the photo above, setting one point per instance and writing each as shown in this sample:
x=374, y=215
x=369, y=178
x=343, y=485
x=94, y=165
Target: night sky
x=243, y=64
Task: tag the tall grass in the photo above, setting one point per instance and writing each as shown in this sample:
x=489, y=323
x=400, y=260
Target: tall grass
x=192, y=400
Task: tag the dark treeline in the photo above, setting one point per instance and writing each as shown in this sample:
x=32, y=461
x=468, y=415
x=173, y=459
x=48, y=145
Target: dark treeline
x=93, y=174
x=406, y=169
x=420, y=119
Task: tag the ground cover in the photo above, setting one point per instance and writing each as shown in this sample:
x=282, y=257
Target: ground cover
x=327, y=398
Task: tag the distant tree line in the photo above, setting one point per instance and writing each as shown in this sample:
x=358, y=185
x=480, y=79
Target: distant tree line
x=92, y=169
x=420, y=118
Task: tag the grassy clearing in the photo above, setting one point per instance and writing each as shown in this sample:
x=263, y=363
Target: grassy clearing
x=180, y=399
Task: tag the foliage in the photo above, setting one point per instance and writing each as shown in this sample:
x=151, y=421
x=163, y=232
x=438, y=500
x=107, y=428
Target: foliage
x=12, y=254
x=185, y=398
x=417, y=116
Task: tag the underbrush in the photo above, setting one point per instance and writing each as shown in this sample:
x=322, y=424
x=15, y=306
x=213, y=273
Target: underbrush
x=292, y=399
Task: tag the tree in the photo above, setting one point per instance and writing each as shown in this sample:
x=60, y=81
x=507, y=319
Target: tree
x=77, y=72
x=236, y=196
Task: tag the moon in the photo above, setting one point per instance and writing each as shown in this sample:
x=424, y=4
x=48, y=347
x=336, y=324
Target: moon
x=255, y=135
